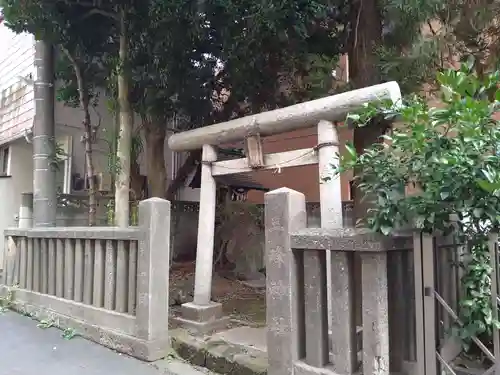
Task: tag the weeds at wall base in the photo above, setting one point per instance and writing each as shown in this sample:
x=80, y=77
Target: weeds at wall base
x=6, y=304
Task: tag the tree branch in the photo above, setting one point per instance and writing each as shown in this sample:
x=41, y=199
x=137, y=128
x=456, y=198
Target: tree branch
x=431, y=28
x=99, y=118
x=101, y=12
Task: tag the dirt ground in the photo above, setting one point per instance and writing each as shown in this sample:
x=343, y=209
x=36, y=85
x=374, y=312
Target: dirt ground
x=245, y=305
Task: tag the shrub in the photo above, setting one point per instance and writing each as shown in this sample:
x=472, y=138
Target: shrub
x=450, y=157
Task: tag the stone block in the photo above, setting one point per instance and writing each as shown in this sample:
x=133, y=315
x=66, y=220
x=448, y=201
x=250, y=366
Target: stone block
x=202, y=319
x=218, y=355
x=203, y=328
x=201, y=313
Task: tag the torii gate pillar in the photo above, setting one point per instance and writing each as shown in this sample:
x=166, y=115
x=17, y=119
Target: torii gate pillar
x=203, y=315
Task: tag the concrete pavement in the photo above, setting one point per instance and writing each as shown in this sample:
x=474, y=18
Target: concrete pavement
x=26, y=349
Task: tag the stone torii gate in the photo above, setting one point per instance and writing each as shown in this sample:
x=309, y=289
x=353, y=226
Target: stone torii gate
x=204, y=315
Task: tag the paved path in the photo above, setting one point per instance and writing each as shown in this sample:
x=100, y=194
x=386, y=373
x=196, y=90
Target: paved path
x=26, y=349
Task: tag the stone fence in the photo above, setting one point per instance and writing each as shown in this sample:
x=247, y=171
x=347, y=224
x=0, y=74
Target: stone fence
x=303, y=338
x=108, y=284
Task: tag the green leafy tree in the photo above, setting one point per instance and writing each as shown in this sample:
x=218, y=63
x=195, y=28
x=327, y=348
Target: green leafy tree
x=120, y=15
x=409, y=41
x=425, y=37
x=450, y=157
x=172, y=73
x=91, y=34
x=80, y=43
x=251, y=56
x=272, y=52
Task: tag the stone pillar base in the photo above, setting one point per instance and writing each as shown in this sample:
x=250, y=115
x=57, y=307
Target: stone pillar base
x=202, y=319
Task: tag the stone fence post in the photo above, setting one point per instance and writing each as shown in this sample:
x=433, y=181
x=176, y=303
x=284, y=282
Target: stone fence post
x=285, y=212
x=153, y=273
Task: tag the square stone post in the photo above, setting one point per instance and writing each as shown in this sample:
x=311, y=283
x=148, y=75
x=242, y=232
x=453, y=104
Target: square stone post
x=375, y=313
x=153, y=272
x=285, y=212
x=202, y=315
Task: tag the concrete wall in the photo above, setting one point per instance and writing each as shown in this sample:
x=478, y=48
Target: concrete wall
x=16, y=96
x=20, y=180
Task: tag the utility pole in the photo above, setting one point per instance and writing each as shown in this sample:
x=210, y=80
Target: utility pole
x=44, y=178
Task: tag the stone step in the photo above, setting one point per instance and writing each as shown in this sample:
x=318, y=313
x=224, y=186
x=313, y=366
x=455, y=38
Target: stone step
x=218, y=355
x=237, y=351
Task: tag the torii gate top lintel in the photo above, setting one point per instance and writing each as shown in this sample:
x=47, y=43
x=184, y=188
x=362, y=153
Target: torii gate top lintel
x=298, y=116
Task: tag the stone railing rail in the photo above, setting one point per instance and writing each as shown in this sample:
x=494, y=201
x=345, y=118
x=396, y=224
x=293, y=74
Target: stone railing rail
x=299, y=337
x=109, y=284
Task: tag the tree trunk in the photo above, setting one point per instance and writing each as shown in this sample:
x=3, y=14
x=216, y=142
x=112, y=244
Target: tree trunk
x=90, y=168
x=155, y=158
x=365, y=37
x=125, y=136
x=88, y=136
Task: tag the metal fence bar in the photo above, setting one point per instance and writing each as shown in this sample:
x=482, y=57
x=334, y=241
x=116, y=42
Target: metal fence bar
x=445, y=365
x=419, y=303
x=452, y=313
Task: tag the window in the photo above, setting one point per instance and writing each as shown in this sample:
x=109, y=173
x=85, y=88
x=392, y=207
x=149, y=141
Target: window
x=63, y=170
x=4, y=161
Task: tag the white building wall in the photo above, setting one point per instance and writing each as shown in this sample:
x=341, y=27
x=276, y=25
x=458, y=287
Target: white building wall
x=17, y=52
x=20, y=180
x=69, y=123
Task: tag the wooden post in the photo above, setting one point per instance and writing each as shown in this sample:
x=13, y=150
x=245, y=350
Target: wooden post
x=419, y=303
x=493, y=245
x=253, y=150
